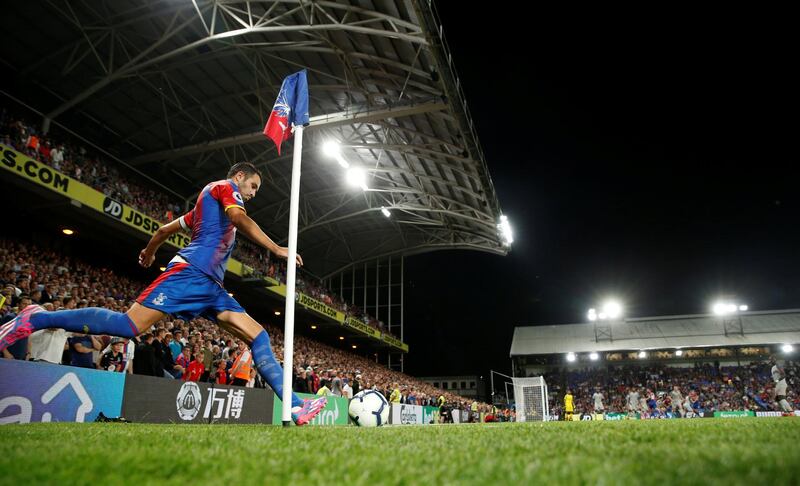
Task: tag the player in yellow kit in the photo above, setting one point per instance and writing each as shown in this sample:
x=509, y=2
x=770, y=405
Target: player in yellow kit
x=568, y=406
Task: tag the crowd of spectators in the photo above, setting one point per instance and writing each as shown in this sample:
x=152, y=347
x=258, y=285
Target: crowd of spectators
x=661, y=390
x=196, y=350
x=75, y=161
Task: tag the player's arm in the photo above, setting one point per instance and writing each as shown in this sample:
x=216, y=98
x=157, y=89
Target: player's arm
x=250, y=228
x=82, y=349
x=161, y=235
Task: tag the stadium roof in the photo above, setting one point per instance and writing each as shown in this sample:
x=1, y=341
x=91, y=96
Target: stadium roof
x=181, y=90
x=757, y=328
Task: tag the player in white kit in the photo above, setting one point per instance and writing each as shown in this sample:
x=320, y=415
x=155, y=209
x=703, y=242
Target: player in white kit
x=779, y=377
x=598, y=402
x=633, y=400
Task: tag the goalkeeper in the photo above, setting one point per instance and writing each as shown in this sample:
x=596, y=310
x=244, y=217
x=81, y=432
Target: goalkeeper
x=569, y=407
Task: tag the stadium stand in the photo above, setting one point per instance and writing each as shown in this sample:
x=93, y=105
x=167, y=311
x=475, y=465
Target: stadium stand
x=68, y=157
x=32, y=273
x=709, y=387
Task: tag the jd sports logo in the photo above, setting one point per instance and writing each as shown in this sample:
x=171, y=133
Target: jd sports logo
x=112, y=208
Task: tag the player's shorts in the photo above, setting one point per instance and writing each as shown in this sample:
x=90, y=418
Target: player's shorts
x=599, y=407
x=185, y=292
x=780, y=387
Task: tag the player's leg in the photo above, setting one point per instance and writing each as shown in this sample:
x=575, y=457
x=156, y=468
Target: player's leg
x=90, y=320
x=244, y=326
x=780, y=392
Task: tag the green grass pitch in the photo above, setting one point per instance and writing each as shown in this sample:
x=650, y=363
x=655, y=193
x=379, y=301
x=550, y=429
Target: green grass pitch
x=761, y=451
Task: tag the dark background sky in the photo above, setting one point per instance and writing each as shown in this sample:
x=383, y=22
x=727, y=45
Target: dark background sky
x=644, y=155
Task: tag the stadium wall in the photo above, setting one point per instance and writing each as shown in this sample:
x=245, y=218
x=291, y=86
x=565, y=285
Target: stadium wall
x=43, y=392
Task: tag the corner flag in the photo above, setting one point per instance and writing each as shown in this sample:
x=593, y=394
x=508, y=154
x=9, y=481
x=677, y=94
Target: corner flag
x=290, y=116
x=290, y=110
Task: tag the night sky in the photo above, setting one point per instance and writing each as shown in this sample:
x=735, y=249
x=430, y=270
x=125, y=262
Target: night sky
x=650, y=160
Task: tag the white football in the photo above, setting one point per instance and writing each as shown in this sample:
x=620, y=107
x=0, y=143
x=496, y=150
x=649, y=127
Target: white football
x=369, y=408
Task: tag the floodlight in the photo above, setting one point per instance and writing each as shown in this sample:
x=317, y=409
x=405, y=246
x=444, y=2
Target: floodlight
x=505, y=230
x=642, y=354
x=679, y=352
x=385, y=212
x=357, y=177
x=331, y=148
x=743, y=307
x=592, y=315
x=612, y=309
x=787, y=348
x=593, y=356
x=571, y=357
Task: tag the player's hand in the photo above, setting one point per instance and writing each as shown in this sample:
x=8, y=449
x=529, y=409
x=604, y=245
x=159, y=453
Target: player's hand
x=284, y=253
x=146, y=258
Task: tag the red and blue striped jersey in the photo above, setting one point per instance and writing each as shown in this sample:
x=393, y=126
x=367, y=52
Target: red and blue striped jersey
x=213, y=233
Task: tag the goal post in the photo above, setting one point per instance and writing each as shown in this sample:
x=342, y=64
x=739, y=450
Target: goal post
x=530, y=396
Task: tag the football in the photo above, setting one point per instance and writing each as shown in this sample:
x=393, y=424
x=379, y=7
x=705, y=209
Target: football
x=369, y=408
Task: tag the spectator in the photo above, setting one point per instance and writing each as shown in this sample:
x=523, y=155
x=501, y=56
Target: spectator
x=208, y=360
x=82, y=347
x=115, y=358
x=182, y=363
x=176, y=344
x=314, y=380
x=300, y=383
x=324, y=390
x=129, y=349
x=48, y=345
x=347, y=390
x=145, y=362
x=163, y=363
x=311, y=381
x=221, y=374
x=242, y=365
x=336, y=384
x=195, y=369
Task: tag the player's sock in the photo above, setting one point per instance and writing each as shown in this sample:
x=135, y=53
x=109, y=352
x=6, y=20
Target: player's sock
x=785, y=405
x=91, y=320
x=269, y=368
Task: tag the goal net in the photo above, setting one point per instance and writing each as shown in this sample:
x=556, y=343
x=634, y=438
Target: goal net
x=530, y=395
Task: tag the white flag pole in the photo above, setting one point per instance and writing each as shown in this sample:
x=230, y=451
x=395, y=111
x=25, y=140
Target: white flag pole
x=291, y=270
